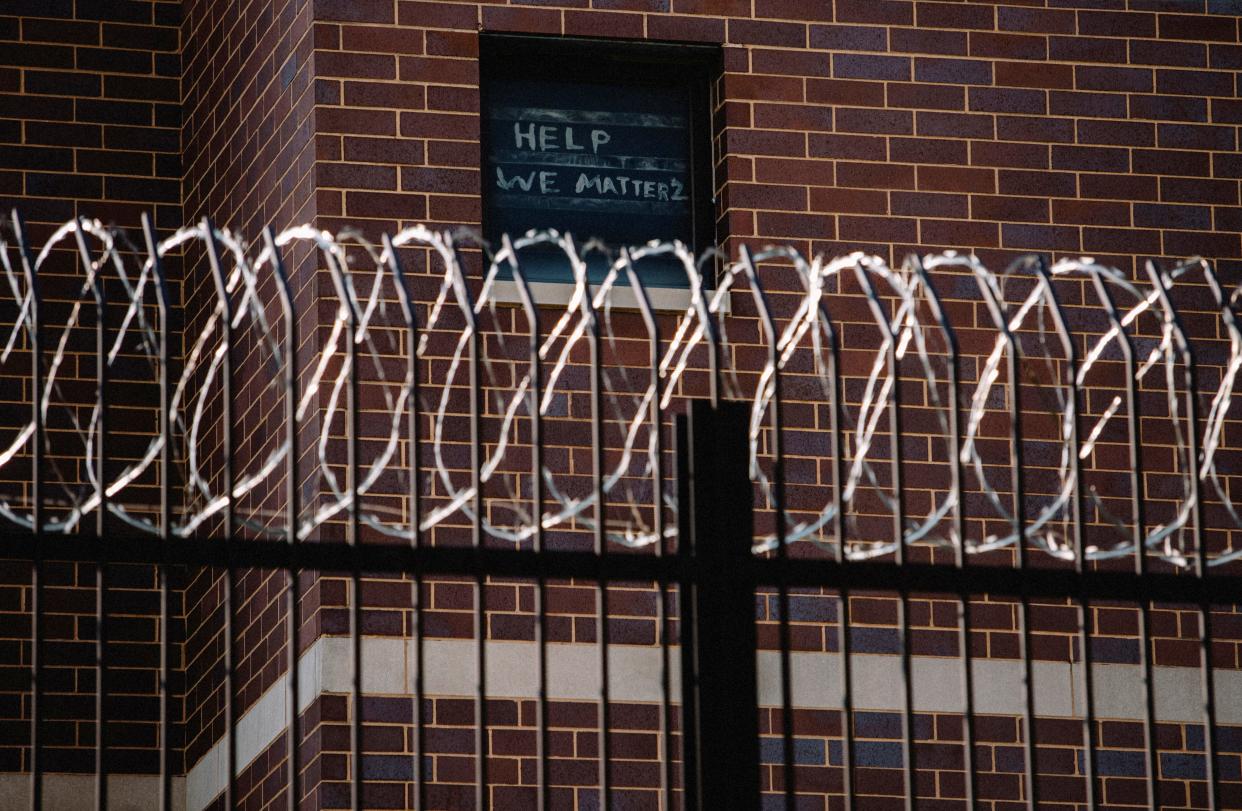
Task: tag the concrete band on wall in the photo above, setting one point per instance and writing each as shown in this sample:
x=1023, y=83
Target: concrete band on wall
x=634, y=676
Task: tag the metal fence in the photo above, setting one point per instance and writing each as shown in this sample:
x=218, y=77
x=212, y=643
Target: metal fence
x=428, y=427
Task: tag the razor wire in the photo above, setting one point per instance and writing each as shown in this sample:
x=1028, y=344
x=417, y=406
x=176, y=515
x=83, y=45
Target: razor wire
x=467, y=335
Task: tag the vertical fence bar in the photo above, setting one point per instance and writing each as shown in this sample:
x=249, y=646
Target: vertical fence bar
x=537, y=544
x=836, y=448
x=771, y=337
x=686, y=623
x=891, y=330
x=289, y=351
x=1208, y=683
x=959, y=528
x=226, y=451
x=482, y=796
x=163, y=303
x=416, y=535
x=101, y=511
x=721, y=685
x=601, y=545
x=36, y=508
x=1138, y=511
x=1075, y=461
x=344, y=289
x=657, y=500
x=1017, y=472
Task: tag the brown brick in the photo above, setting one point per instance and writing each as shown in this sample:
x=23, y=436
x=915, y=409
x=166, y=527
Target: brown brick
x=1133, y=80
x=789, y=63
x=1006, y=208
x=385, y=94
x=955, y=125
x=848, y=201
x=959, y=234
x=1041, y=129
x=809, y=226
x=1197, y=27
x=927, y=150
x=782, y=170
x=1008, y=46
x=525, y=20
x=805, y=117
x=881, y=12
x=1193, y=82
x=877, y=176
x=1195, y=136
x=1036, y=20
x=1171, y=162
x=1023, y=74
x=437, y=15
x=369, y=11
x=1087, y=49
x=1174, y=108
x=793, y=10
x=1007, y=100
x=762, y=32
x=954, y=15
x=1177, y=54
x=867, y=66
x=1089, y=105
x=944, y=178
x=920, y=41
x=953, y=71
x=853, y=93
x=685, y=28
x=1117, y=23
x=1118, y=187
x=929, y=204
x=1116, y=133
x=1090, y=212
x=1090, y=158
x=926, y=96
x=1010, y=155
x=849, y=147
x=767, y=88
x=849, y=37
x=356, y=65
x=1196, y=190
x=889, y=122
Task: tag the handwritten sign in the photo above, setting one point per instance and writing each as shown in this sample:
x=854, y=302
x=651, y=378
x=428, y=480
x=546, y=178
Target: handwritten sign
x=605, y=161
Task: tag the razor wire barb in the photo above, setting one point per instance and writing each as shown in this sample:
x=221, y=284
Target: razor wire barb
x=368, y=279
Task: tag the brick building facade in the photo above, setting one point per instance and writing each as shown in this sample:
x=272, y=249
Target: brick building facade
x=1066, y=127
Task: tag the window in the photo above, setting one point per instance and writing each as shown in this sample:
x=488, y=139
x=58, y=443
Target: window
x=603, y=139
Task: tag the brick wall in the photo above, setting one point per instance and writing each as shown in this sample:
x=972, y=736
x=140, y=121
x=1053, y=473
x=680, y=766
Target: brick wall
x=89, y=125
x=1107, y=128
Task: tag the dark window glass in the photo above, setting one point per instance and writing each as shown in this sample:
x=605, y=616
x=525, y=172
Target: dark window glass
x=602, y=139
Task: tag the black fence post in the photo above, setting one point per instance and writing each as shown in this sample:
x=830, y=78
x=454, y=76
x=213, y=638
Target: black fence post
x=719, y=681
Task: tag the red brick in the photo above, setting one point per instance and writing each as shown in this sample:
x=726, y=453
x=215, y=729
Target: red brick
x=1197, y=27
x=524, y=20
x=954, y=15
x=849, y=201
x=1010, y=155
x=1087, y=49
x=944, y=178
x=1133, y=80
x=762, y=32
x=1036, y=20
x=853, y=93
x=879, y=176
x=881, y=12
x=1117, y=23
x=1023, y=74
x=1008, y=46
